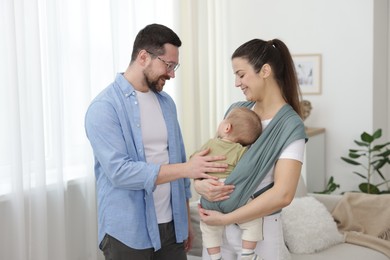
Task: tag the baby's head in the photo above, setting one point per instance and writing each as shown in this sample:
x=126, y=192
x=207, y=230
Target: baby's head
x=241, y=125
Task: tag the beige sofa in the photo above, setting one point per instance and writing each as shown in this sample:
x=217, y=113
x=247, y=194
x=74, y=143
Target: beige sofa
x=339, y=250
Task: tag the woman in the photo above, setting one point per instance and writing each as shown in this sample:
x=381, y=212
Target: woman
x=265, y=72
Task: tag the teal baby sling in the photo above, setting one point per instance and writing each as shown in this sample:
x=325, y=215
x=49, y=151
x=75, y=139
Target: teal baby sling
x=285, y=128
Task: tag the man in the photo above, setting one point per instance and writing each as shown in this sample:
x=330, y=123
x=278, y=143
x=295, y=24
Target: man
x=141, y=171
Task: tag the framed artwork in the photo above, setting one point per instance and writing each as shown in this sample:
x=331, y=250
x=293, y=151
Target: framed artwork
x=308, y=69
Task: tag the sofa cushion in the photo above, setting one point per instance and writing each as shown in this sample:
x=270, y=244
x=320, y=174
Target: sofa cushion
x=343, y=251
x=329, y=200
x=308, y=226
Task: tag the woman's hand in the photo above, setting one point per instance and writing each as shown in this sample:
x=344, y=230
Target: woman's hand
x=212, y=217
x=213, y=190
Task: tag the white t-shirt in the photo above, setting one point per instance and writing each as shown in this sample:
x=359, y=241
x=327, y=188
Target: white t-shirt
x=293, y=151
x=155, y=139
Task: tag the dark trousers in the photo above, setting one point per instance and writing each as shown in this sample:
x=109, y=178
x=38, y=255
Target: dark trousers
x=113, y=249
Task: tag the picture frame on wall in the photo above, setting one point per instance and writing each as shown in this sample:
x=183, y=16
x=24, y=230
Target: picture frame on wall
x=308, y=69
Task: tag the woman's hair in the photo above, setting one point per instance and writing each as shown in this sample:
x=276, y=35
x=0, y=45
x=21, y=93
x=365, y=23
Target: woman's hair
x=152, y=38
x=276, y=54
x=246, y=125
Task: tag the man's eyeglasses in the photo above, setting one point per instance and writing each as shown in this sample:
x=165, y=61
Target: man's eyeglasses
x=171, y=66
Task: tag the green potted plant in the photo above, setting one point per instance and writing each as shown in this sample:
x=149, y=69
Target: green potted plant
x=370, y=158
x=331, y=186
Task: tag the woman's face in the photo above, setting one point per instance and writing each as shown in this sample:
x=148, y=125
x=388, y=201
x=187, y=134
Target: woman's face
x=250, y=82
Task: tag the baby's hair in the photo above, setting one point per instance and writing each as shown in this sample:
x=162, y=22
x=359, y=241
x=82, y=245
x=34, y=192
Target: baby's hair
x=246, y=125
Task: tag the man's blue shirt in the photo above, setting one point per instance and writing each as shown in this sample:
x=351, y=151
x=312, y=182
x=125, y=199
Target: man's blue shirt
x=124, y=181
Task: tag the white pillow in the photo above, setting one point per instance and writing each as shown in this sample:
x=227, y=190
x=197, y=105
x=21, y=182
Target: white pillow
x=308, y=226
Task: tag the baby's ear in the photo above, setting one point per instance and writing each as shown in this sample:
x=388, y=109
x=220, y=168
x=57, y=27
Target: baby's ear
x=228, y=127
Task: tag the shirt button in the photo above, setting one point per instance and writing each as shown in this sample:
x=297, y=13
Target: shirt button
x=136, y=103
x=138, y=125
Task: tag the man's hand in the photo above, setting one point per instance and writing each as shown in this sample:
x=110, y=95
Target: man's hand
x=196, y=168
x=189, y=242
x=200, y=164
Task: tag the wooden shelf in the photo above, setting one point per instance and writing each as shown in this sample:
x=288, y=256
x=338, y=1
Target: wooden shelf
x=312, y=131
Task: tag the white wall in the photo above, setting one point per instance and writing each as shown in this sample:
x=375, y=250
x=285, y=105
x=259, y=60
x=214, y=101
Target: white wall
x=343, y=32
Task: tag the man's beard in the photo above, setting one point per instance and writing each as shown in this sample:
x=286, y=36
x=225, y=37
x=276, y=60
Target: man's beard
x=154, y=84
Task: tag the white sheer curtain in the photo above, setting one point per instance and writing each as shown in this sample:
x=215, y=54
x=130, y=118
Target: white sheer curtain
x=206, y=72
x=56, y=55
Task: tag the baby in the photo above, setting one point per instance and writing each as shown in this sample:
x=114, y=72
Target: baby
x=240, y=128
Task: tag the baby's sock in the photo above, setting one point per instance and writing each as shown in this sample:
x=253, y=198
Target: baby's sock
x=216, y=256
x=249, y=254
